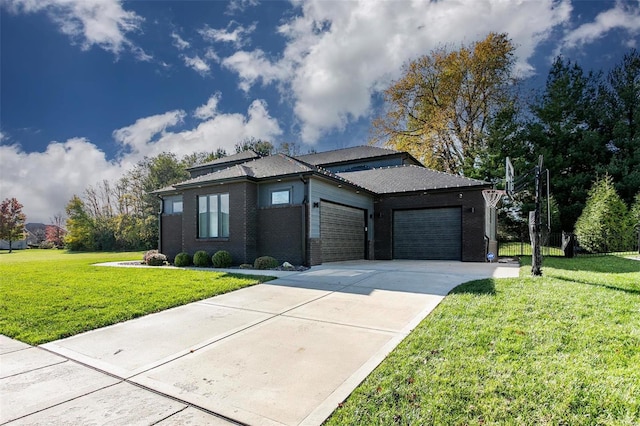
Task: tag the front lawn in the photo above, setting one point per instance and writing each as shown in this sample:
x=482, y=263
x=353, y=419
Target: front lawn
x=563, y=349
x=51, y=294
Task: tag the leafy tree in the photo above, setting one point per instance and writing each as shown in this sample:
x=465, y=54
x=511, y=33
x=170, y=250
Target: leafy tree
x=441, y=107
x=635, y=213
x=261, y=147
x=12, y=221
x=55, y=232
x=604, y=224
x=80, y=226
x=566, y=130
x=622, y=112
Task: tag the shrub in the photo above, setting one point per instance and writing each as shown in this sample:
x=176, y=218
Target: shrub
x=201, y=258
x=221, y=259
x=156, y=259
x=604, y=225
x=183, y=259
x=265, y=262
x=246, y=266
x=148, y=253
x=46, y=245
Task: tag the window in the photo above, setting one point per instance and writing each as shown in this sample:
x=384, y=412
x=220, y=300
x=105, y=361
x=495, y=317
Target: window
x=213, y=216
x=281, y=197
x=176, y=207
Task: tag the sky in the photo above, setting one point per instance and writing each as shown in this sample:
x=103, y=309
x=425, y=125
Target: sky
x=90, y=87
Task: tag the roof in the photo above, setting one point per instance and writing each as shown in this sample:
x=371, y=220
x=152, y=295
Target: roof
x=264, y=167
x=240, y=157
x=390, y=180
x=347, y=154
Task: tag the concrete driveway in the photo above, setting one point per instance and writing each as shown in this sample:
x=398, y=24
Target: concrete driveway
x=284, y=352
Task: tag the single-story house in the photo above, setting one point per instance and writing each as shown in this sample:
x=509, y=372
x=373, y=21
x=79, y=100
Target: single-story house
x=362, y=202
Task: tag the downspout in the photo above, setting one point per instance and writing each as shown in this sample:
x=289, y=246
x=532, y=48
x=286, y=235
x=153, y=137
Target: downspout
x=305, y=205
x=160, y=223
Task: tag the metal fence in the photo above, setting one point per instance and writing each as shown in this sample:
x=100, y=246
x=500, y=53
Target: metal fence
x=552, y=245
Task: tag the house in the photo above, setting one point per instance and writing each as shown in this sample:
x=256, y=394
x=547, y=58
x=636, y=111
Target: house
x=362, y=202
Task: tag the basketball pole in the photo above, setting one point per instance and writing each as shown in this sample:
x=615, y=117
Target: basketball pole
x=536, y=260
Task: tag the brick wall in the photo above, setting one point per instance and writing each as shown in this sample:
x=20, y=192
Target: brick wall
x=242, y=241
x=280, y=233
x=473, y=243
x=171, y=235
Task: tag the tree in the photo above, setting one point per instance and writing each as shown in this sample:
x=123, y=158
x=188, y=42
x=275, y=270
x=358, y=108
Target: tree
x=80, y=227
x=55, y=232
x=604, y=224
x=440, y=109
x=567, y=130
x=261, y=147
x=11, y=221
x=634, y=212
x=622, y=112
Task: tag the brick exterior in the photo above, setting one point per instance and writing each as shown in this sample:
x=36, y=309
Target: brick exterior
x=314, y=251
x=281, y=233
x=242, y=241
x=473, y=242
x=171, y=235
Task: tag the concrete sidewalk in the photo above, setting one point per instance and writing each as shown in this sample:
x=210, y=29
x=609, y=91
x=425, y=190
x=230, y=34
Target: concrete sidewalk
x=284, y=352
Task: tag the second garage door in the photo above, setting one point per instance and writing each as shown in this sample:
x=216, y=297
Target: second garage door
x=427, y=234
x=342, y=232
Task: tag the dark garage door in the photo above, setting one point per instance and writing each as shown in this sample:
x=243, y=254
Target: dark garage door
x=341, y=232
x=427, y=234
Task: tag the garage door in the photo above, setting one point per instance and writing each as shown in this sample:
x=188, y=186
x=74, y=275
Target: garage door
x=341, y=232
x=427, y=234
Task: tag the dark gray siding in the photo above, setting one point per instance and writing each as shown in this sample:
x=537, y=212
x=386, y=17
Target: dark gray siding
x=342, y=232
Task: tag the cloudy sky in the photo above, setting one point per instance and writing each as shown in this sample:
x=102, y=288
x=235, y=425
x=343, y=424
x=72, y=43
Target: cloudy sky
x=90, y=87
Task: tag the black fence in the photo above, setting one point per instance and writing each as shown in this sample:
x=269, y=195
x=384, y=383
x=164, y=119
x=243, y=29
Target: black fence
x=559, y=244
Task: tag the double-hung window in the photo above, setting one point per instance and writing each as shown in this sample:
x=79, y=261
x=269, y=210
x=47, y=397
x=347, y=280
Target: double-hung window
x=213, y=216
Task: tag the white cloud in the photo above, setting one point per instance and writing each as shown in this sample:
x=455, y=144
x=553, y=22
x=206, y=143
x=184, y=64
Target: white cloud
x=339, y=54
x=103, y=23
x=178, y=42
x=197, y=64
x=210, y=109
x=253, y=66
x=240, y=6
x=211, y=55
x=622, y=16
x=45, y=181
x=238, y=36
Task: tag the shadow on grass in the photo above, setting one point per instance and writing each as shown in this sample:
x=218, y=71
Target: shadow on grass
x=486, y=286
x=609, y=287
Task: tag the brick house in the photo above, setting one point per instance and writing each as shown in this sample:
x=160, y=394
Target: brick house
x=356, y=203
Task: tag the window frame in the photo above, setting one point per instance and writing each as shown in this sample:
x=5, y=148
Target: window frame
x=289, y=192
x=214, y=216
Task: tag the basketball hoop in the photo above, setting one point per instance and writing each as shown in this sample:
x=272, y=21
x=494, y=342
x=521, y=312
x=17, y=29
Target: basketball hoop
x=493, y=196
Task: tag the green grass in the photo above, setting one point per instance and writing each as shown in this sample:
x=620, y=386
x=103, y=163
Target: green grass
x=562, y=349
x=524, y=249
x=50, y=294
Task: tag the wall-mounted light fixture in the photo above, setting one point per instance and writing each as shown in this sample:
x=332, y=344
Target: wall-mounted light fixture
x=460, y=195
x=472, y=210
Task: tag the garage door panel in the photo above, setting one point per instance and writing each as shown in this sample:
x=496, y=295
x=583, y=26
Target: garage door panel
x=427, y=234
x=341, y=232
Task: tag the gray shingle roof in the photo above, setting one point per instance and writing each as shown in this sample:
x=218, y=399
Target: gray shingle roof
x=346, y=154
x=265, y=167
x=389, y=180
x=235, y=158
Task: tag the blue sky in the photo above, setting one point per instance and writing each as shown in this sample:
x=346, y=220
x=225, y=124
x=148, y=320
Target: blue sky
x=90, y=87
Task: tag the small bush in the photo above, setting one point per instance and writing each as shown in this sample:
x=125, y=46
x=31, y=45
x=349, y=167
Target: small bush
x=221, y=259
x=183, y=259
x=201, y=258
x=147, y=254
x=156, y=259
x=246, y=266
x=265, y=262
x=46, y=245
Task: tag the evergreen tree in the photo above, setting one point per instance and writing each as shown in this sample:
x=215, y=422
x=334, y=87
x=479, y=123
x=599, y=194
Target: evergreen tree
x=604, y=224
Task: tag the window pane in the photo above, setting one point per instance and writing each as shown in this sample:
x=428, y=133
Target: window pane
x=202, y=217
x=177, y=207
x=224, y=215
x=213, y=215
x=280, y=197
